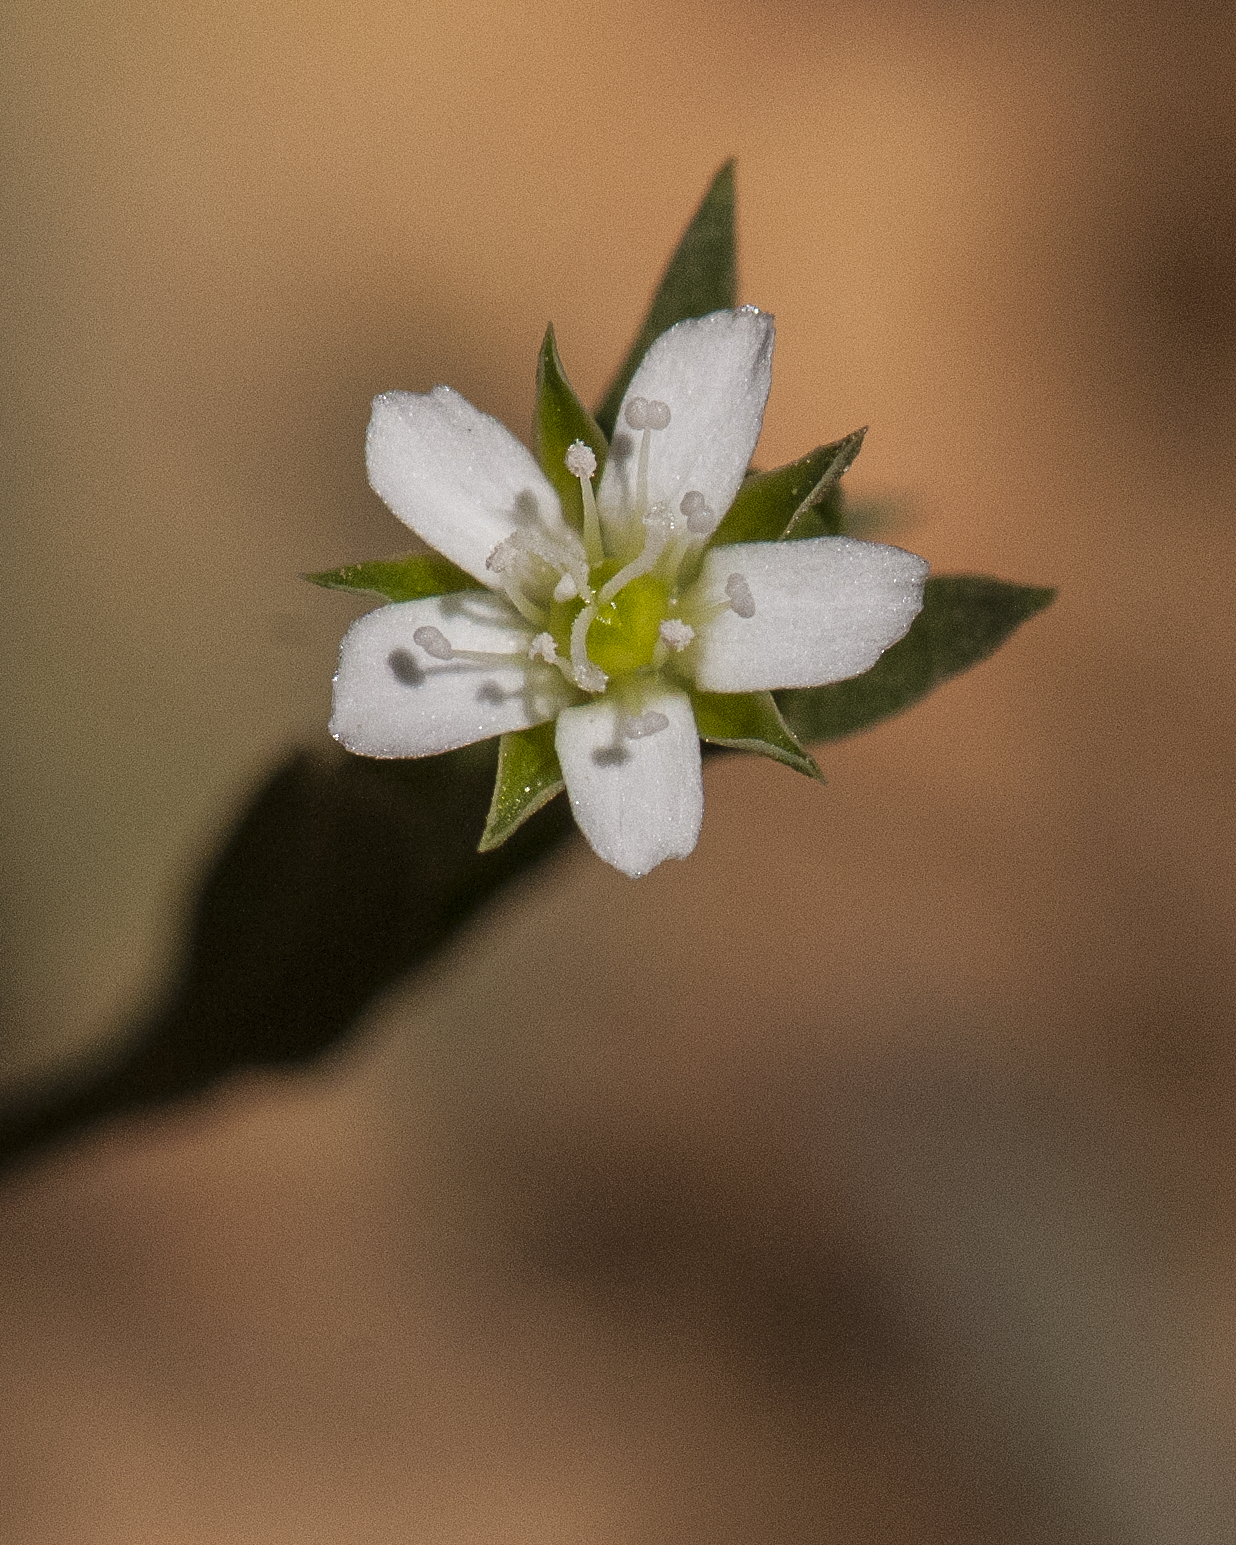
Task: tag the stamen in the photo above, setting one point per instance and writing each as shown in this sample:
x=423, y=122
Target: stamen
x=502, y=562
x=739, y=592
x=581, y=462
x=564, y=553
x=639, y=726
x=640, y=413
x=434, y=642
x=589, y=677
x=676, y=634
x=656, y=534
x=565, y=589
x=543, y=647
x=700, y=519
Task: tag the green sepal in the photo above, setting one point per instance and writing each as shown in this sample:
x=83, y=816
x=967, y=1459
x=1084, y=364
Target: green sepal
x=701, y=277
x=965, y=618
x=528, y=777
x=773, y=505
x=750, y=721
x=410, y=578
x=559, y=420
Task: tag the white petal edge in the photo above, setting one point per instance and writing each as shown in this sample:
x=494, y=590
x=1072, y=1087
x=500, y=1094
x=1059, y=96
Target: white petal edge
x=825, y=609
x=714, y=372
x=394, y=699
x=638, y=802
x=458, y=477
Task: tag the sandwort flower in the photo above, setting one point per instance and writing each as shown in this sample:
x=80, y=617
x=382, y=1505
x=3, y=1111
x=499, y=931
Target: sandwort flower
x=608, y=628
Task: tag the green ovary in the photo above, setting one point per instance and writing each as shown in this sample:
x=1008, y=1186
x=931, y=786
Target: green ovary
x=624, y=633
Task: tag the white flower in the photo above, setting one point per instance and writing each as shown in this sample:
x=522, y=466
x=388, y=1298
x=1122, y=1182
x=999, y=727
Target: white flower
x=607, y=631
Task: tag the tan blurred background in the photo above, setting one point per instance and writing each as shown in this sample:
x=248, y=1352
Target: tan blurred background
x=377, y=1304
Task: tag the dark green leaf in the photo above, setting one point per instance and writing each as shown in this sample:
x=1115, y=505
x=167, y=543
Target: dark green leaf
x=558, y=421
x=398, y=579
x=965, y=617
x=701, y=277
x=528, y=777
x=341, y=875
x=772, y=505
x=749, y=721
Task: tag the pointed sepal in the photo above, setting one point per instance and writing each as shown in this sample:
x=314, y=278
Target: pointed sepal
x=558, y=421
x=751, y=721
x=528, y=777
x=791, y=501
x=701, y=277
x=410, y=578
x=965, y=618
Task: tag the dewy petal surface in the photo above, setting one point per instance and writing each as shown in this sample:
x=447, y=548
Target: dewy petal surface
x=825, y=609
x=459, y=478
x=394, y=699
x=640, y=801
x=714, y=373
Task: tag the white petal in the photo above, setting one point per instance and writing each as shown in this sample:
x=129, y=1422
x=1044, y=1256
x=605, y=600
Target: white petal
x=392, y=698
x=825, y=609
x=637, y=801
x=714, y=373
x=459, y=478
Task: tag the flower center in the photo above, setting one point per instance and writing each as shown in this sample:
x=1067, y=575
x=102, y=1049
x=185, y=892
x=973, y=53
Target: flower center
x=600, y=617
x=623, y=635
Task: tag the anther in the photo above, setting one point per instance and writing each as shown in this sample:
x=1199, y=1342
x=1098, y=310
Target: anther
x=739, y=592
x=565, y=589
x=656, y=415
x=699, y=517
x=636, y=413
x=543, y=647
x=434, y=642
x=676, y=634
x=638, y=726
x=580, y=459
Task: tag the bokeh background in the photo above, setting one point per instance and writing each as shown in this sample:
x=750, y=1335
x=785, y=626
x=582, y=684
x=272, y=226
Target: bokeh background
x=867, y=1176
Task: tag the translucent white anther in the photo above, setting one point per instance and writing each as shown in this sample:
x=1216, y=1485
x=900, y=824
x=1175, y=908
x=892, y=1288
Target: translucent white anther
x=434, y=642
x=581, y=460
x=656, y=415
x=739, y=592
x=566, y=588
x=504, y=556
x=589, y=677
x=638, y=726
x=636, y=413
x=676, y=634
x=543, y=647
x=700, y=519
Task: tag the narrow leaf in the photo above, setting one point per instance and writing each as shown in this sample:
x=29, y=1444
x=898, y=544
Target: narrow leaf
x=559, y=420
x=965, y=618
x=701, y=277
x=771, y=505
x=528, y=777
x=398, y=579
x=750, y=721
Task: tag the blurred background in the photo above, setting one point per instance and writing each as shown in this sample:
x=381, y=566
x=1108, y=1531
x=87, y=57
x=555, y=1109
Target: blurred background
x=866, y=1176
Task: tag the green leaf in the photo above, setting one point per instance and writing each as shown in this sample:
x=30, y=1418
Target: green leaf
x=559, y=420
x=398, y=579
x=750, y=721
x=771, y=505
x=965, y=618
x=528, y=777
x=701, y=277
